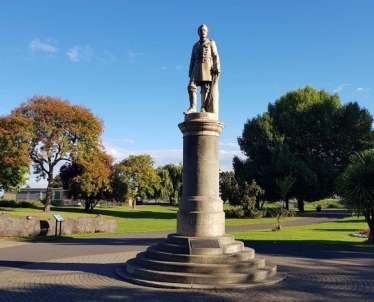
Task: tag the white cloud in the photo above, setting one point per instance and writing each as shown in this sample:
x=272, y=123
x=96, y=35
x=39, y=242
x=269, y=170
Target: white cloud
x=121, y=140
x=80, y=53
x=107, y=57
x=340, y=88
x=36, y=45
x=179, y=67
x=135, y=54
x=362, y=89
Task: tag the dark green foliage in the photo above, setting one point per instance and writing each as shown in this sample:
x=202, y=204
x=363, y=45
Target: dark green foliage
x=306, y=135
x=246, y=201
x=175, y=174
x=234, y=212
x=273, y=212
x=229, y=188
x=356, y=186
x=20, y=204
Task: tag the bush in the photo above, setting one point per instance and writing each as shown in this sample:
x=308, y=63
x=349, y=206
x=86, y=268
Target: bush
x=20, y=204
x=235, y=212
x=255, y=214
x=57, y=202
x=9, y=204
x=273, y=212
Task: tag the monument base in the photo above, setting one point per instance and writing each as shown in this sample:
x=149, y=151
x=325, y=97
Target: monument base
x=200, y=263
x=200, y=255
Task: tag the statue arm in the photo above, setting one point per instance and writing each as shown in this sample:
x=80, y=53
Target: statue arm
x=215, y=57
x=192, y=62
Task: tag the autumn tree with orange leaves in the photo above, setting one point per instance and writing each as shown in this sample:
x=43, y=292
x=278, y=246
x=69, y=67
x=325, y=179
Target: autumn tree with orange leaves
x=14, y=160
x=55, y=131
x=88, y=177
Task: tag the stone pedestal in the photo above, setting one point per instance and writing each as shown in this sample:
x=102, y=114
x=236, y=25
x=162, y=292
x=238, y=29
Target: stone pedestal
x=200, y=254
x=200, y=208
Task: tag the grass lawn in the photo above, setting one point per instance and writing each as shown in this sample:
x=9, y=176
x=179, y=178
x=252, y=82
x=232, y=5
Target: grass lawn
x=146, y=218
x=333, y=233
x=153, y=218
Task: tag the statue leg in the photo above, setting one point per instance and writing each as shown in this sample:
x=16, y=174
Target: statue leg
x=192, y=93
x=205, y=88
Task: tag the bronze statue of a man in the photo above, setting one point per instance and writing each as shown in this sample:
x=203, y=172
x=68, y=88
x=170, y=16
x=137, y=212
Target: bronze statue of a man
x=204, y=71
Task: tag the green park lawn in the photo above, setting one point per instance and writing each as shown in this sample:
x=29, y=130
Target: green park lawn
x=332, y=233
x=145, y=218
x=154, y=218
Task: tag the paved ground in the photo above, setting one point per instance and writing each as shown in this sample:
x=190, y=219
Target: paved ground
x=84, y=270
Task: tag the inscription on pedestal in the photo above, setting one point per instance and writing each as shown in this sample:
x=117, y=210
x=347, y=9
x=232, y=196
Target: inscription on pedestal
x=204, y=244
x=205, y=247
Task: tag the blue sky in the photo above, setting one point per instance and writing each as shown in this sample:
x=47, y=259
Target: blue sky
x=128, y=61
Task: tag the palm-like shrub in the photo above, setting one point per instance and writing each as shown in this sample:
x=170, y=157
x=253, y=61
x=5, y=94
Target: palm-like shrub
x=356, y=186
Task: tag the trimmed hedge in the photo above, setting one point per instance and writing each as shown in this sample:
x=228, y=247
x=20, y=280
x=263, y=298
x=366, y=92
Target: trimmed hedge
x=20, y=203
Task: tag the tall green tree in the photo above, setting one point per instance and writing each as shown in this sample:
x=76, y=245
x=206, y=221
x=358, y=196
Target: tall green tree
x=307, y=134
x=176, y=177
x=356, y=186
x=56, y=131
x=133, y=176
x=164, y=189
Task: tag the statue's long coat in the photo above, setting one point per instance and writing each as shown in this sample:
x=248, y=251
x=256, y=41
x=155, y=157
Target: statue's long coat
x=204, y=59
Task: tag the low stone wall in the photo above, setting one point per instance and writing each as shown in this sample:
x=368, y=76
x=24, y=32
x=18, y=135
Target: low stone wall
x=33, y=226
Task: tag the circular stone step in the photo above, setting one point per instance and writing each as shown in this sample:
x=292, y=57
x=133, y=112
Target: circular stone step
x=245, y=255
x=260, y=274
x=220, y=268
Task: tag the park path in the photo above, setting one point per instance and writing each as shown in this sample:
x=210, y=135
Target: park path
x=84, y=270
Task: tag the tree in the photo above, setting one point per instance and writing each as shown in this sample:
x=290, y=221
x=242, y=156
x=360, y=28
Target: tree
x=56, y=131
x=57, y=183
x=164, y=189
x=88, y=177
x=285, y=184
x=307, y=134
x=229, y=188
x=176, y=177
x=356, y=186
x=135, y=176
x=244, y=200
x=14, y=162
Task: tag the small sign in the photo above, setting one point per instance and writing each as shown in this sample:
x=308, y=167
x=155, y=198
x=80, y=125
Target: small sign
x=59, y=218
x=204, y=244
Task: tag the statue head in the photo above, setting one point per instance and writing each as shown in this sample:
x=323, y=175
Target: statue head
x=202, y=30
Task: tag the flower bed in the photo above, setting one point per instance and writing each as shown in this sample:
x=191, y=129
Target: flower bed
x=361, y=234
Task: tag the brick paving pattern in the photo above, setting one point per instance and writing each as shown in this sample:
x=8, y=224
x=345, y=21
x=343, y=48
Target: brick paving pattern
x=92, y=278
x=84, y=270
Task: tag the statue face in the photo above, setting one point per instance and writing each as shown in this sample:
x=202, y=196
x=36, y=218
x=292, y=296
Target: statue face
x=203, y=32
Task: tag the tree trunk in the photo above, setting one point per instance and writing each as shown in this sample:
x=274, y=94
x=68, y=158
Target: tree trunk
x=287, y=202
x=87, y=204
x=48, y=198
x=300, y=204
x=257, y=206
x=370, y=221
